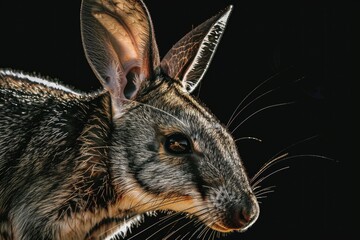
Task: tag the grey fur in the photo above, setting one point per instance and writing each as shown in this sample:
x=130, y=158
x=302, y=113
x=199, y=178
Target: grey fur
x=80, y=166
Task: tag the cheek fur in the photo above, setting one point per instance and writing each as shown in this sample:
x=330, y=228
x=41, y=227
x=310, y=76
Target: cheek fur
x=162, y=178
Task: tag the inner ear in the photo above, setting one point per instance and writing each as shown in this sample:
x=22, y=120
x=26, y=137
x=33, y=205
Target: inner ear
x=133, y=82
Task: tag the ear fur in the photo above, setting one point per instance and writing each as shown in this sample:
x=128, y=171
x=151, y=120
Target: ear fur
x=119, y=44
x=190, y=57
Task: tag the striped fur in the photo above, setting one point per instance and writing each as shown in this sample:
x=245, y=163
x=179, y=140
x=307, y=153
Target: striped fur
x=79, y=165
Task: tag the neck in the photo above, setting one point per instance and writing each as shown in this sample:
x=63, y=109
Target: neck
x=92, y=199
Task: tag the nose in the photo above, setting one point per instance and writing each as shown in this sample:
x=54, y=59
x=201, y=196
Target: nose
x=243, y=215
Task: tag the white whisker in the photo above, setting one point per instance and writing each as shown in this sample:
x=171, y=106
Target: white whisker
x=249, y=94
x=247, y=105
x=266, y=166
x=260, y=110
x=248, y=138
x=268, y=175
x=293, y=145
x=263, y=193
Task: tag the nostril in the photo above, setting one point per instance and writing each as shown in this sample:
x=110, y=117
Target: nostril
x=245, y=215
x=238, y=219
x=242, y=217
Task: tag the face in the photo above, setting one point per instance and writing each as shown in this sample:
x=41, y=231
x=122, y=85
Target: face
x=168, y=151
x=179, y=157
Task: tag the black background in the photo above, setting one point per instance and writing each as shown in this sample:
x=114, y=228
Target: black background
x=303, y=46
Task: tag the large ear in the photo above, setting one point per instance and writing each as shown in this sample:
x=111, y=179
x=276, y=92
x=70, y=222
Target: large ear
x=119, y=44
x=189, y=58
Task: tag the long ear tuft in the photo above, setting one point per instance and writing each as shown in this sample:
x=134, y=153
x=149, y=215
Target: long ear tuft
x=119, y=44
x=189, y=58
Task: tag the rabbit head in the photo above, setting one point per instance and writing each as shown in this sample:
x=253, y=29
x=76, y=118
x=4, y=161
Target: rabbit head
x=168, y=151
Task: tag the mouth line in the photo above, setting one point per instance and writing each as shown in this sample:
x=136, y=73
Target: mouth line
x=221, y=228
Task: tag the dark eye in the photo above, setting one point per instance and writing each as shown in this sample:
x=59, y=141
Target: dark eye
x=177, y=143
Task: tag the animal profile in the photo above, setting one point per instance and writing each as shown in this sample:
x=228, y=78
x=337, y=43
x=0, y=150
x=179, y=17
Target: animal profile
x=77, y=165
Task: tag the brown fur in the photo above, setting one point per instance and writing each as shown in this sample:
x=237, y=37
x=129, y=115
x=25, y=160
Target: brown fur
x=86, y=166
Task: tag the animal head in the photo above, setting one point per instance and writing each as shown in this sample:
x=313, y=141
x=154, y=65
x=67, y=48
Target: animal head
x=178, y=155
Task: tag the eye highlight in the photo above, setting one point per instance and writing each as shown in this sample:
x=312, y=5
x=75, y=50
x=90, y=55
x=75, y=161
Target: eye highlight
x=177, y=143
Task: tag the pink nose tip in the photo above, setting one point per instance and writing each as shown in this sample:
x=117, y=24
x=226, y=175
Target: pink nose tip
x=245, y=215
x=242, y=217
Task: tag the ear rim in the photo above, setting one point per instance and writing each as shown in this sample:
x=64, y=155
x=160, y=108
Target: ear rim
x=191, y=78
x=225, y=16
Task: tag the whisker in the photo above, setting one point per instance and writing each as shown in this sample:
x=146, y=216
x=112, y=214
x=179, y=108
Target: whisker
x=249, y=94
x=214, y=233
x=167, y=225
x=180, y=228
x=268, y=175
x=267, y=165
x=264, y=193
x=262, y=190
x=185, y=236
x=285, y=156
x=260, y=197
x=261, y=110
x=177, y=230
x=164, y=220
x=203, y=231
x=288, y=158
x=248, y=138
x=311, y=156
x=161, y=221
x=200, y=225
x=293, y=145
x=247, y=105
x=129, y=217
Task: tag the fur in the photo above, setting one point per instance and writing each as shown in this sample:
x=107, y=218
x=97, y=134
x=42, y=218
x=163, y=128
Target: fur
x=88, y=165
